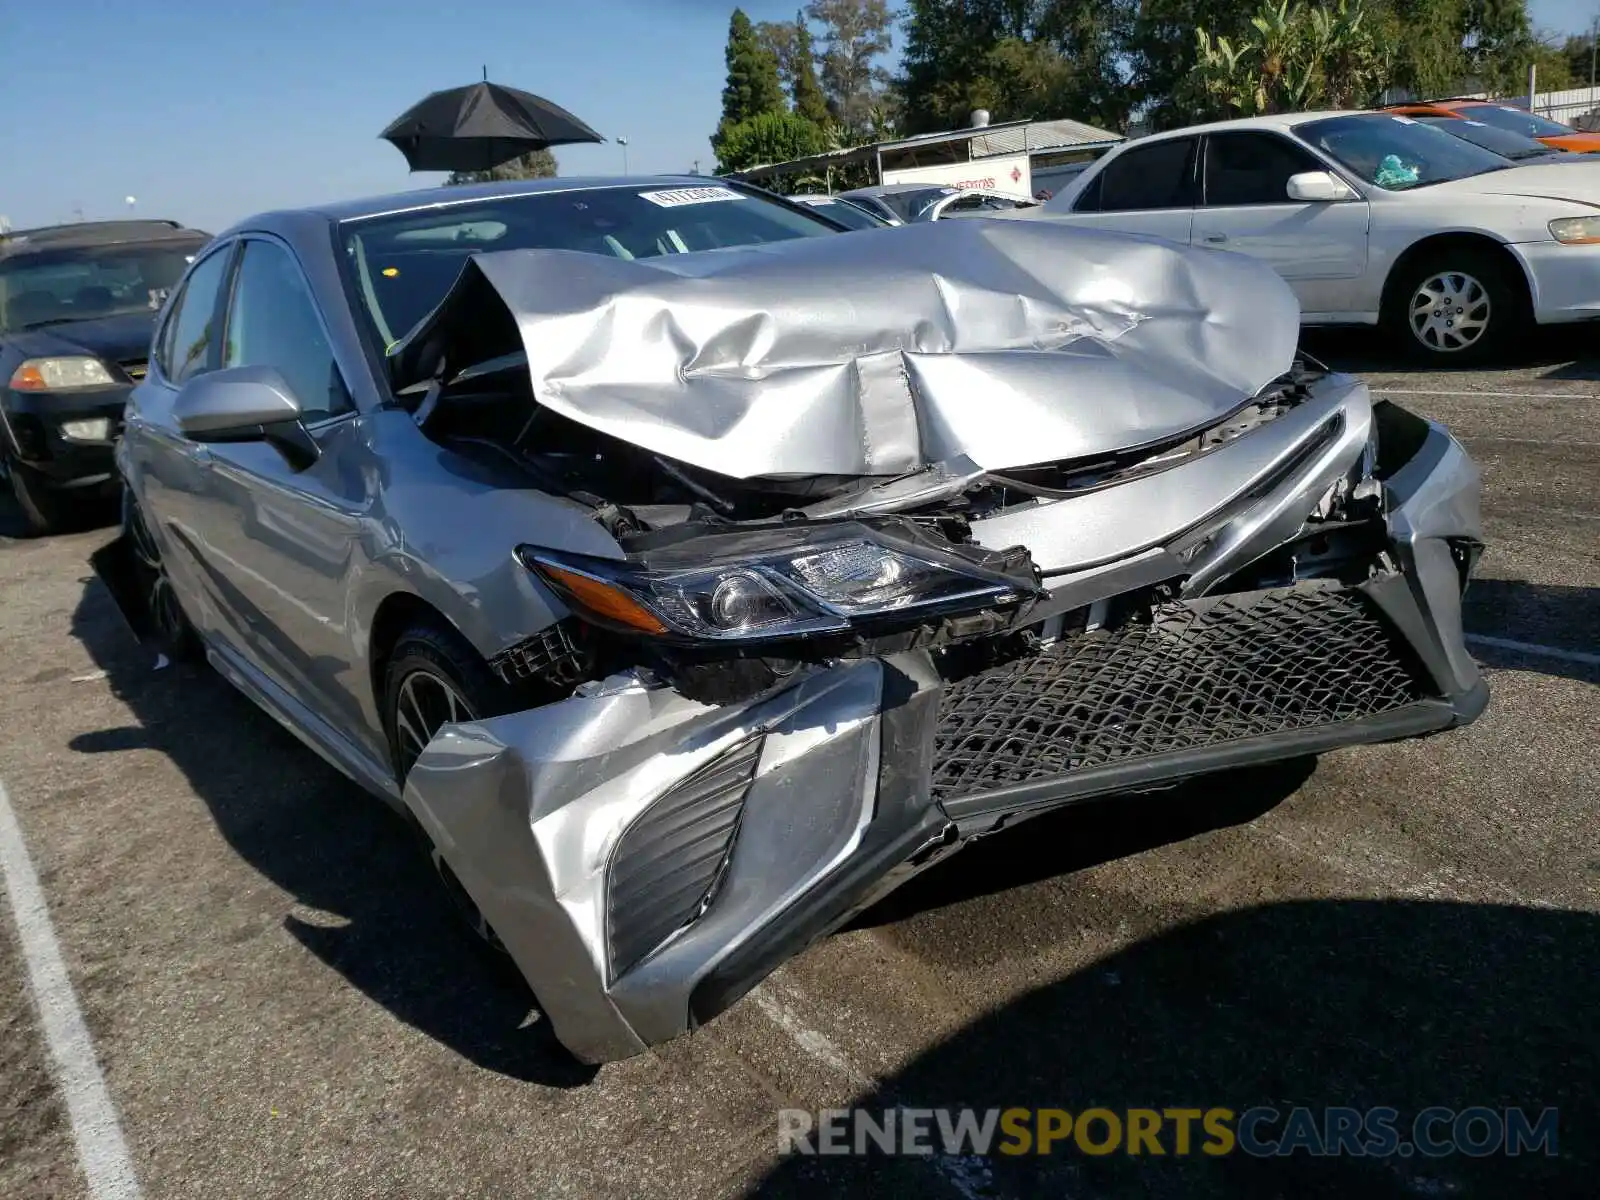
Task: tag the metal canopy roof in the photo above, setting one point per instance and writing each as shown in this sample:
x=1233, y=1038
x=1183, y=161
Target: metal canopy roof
x=984, y=141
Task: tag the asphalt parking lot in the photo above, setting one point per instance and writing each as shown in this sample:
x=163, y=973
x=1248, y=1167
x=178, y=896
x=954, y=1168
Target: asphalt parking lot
x=278, y=1007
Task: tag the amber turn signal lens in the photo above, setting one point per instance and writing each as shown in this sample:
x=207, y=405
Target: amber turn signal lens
x=29, y=379
x=601, y=598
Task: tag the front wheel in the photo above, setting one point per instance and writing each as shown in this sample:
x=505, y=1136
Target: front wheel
x=1456, y=307
x=433, y=679
x=170, y=629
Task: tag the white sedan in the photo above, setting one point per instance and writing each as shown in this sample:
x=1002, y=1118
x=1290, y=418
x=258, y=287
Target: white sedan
x=1372, y=218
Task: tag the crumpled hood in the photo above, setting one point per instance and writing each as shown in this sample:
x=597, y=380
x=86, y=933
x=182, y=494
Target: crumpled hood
x=1009, y=343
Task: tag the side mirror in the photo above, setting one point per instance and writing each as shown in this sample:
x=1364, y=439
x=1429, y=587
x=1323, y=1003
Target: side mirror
x=245, y=404
x=1319, y=187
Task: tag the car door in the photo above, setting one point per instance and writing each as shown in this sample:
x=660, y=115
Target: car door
x=165, y=470
x=1320, y=248
x=278, y=534
x=1149, y=188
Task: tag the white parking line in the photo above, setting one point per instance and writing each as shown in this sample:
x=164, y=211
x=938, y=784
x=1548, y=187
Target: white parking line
x=1533, y=648
x=1516, y=441
x=101, y=1151
x=969, y=1176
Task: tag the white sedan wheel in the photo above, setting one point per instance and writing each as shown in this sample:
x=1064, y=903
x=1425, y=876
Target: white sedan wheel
x=1450, y=312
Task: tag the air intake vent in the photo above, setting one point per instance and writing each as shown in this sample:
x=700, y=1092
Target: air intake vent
x=667, y=865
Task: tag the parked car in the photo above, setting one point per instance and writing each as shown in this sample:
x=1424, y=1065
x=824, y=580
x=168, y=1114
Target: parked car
x=1373, y=218
x=1508, y=117
x=855, y=216
x=688, y=602
x=77, y=303
x=914, y=202
x=1514, y=146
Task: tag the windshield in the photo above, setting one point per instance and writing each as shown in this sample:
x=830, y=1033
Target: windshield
x=1502, y=141
x=1398, y=153
x=405, y=262
x=82, y=283
x=846, y=213
x=1503, y=116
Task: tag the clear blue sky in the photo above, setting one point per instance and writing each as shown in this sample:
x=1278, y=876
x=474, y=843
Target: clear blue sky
x=209, y=111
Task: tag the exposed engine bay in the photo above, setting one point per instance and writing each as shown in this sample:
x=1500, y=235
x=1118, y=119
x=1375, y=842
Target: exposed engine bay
x=670, y=518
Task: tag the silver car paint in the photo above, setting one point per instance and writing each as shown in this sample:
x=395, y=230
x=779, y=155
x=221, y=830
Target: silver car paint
x=863, y=356
x=288, y=573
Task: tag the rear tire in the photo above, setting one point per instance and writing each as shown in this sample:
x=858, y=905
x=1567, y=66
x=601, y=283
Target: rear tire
x=1457, y=306
x=433, y=678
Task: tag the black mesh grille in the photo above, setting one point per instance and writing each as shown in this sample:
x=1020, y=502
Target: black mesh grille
x=1195, y=675
x=667, y=864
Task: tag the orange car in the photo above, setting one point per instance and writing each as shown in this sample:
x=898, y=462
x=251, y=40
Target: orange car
x=1505, y=116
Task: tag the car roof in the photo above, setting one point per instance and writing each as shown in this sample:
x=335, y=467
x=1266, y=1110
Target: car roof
x=423, y=198
x=1270, y=121
x=94, y=233
x=296, y=221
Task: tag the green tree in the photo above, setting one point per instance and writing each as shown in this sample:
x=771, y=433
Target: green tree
x=856, y=34
x=1017, y=58
x=752, y=87
x=1162, y=51
x=536, y=164
x=770, y=137
x=809, y=101
x=1426, y=36
x=1294, y=57
x=1580, y=58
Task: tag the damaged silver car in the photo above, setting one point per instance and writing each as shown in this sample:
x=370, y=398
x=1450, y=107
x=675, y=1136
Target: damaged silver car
x=691, y=576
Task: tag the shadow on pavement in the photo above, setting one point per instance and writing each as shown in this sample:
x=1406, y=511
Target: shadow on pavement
x=1558, y=349
x=332, y=847
x=1088, y=834
x=1546, y=614
x=1321, y=1003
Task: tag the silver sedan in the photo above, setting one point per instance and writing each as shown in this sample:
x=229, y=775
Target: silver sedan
x=691, y=576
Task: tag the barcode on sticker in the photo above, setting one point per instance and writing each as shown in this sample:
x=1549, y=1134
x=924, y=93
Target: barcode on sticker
x=677, y=197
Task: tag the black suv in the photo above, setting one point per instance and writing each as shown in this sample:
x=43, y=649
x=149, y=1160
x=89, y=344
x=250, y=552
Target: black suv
x=78, y=304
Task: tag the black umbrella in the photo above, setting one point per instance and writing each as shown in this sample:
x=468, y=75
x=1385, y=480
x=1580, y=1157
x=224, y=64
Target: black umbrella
x=479, y=127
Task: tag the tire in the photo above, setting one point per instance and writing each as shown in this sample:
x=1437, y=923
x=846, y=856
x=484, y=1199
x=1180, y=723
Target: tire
x=434, y=677
x=1456, y=306
x=43, y=509
x=171, y=631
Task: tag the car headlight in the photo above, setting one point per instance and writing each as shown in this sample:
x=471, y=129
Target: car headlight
x=854, y=578
x=1576, y=231
x=53, y=374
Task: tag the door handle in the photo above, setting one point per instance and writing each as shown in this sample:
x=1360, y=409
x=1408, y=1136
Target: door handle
x=1216, y=237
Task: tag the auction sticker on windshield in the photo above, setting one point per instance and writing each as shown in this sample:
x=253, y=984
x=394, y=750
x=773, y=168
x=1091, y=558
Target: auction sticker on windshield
x=677, y=197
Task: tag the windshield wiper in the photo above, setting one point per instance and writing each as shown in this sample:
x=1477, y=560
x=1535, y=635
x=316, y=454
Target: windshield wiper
x=52, y=321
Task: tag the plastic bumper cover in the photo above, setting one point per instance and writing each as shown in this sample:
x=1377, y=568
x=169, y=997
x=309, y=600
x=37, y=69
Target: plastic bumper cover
x=33, y=427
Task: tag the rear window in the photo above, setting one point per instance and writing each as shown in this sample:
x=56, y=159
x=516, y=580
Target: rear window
x=404, y=263
x=1516, y=120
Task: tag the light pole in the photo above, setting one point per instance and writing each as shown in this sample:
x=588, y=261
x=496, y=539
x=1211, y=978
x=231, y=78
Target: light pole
x=623, y=142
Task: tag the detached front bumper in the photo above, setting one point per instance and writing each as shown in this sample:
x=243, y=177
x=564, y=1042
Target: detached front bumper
x=33, y=425
x=647, y=859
